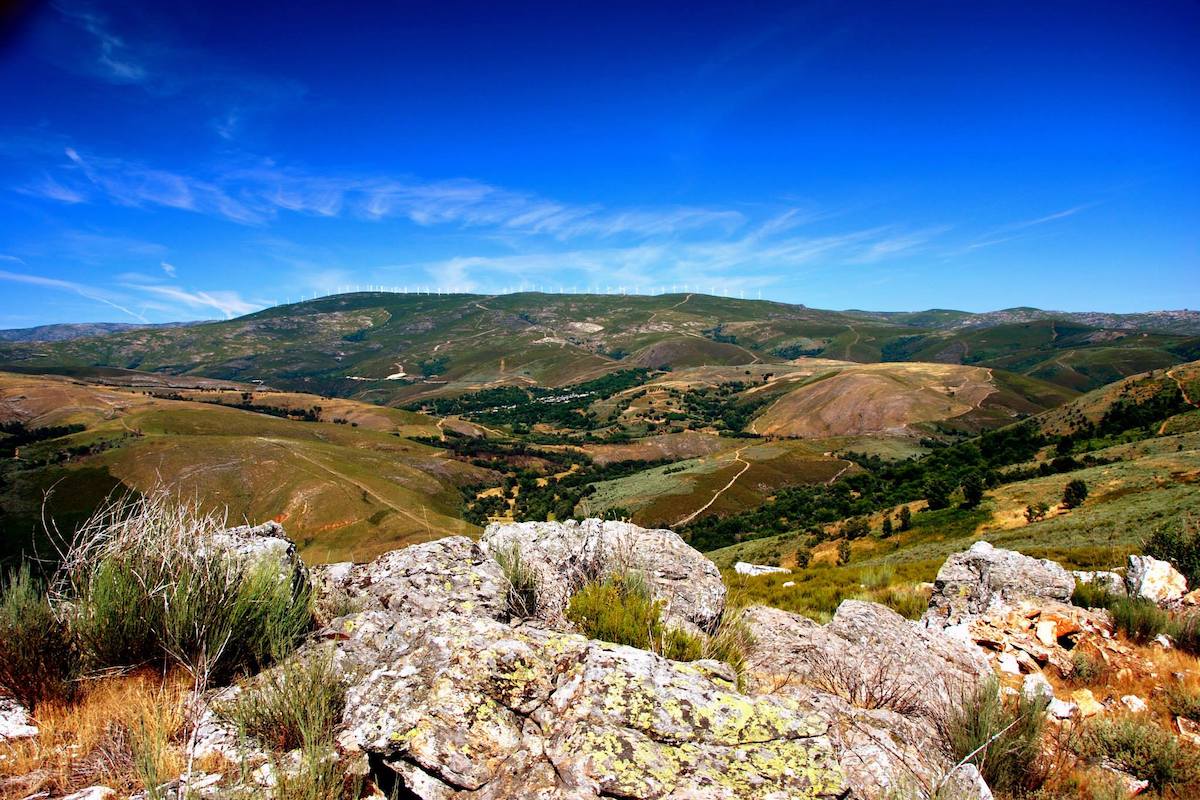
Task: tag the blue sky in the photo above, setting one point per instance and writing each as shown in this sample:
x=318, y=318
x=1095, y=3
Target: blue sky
x=163, y=161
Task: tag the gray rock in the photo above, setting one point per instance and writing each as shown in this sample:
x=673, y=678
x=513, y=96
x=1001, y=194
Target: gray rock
x=877, y=677
x=986, y=579
x=451, y=575
x=1036, y=687
x=474, y=707
x=566, y=554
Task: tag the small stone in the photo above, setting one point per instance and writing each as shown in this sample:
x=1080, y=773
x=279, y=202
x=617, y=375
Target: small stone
x=1163, y=641
x=1036, y=687
x=93, y=793
x=1134, y=703
x=14, y=721
x=1008, y=663
x=1088, y=705
x=1047, y=632
x=1061, y=709
x=1188, y=731
x=788, y=584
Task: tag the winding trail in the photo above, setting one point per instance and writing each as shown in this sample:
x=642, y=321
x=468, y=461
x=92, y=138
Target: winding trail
x=1183, y=391
x=737, y=456
x=668, y=308
x=849, y=464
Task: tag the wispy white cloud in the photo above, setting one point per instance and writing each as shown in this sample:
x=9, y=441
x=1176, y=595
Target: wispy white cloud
x=111, y=58
x=89, y=292
x=168, y=268
x=229, y=303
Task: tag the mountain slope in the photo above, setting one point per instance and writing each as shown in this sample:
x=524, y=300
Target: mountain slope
x=394, y=348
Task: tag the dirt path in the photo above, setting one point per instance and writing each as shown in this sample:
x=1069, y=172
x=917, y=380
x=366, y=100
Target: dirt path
x=849, y=464
x=1183, y=391
x=437, y=347
x=737, y=456
x=668, y=308
x=857, y=339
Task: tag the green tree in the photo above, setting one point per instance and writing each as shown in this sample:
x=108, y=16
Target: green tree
x=1075, y=493
x=887, y=528
x=856, y=527
x=803, y=556
x=843, y=552
x=972, y=490
x=905, y=518
x=1035, y=512
x=937, y=492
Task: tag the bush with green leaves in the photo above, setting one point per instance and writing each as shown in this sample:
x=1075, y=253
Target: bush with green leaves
x=1092, y=594
x=1074, y=494
x=1141, y=620
x=149, y=582
x=37, y=657
x=297, y=703
x=1002, y=738
x=1180, y=545
x=1183, y=701
x=1138, y=746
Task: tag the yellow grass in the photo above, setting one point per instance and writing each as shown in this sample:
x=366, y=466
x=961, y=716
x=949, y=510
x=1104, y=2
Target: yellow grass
x=95, y=740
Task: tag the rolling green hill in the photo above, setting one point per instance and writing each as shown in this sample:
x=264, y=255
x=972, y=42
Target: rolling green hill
x=395, y=348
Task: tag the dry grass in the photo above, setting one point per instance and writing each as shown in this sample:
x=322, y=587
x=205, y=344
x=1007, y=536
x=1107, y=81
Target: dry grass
x=119, y=729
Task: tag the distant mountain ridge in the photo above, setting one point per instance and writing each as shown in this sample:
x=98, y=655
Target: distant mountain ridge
x=402, y=348
x=1184, y=321
x=66, y=331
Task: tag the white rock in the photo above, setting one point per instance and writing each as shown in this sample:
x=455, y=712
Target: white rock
x=93, y=793
x=1036, y=686
x=1163, y=641
x=746, y=568
x=1061, y=709
x=1008, y=663
x=788, y=584
x=1154, y=580
x=1111, y=581
x=14, y=721
x=1134, y=703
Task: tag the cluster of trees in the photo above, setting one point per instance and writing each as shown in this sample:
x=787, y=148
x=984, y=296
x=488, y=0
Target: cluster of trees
x=967, y=468
x=521, y=407
x=721, y=406
x=14, y=435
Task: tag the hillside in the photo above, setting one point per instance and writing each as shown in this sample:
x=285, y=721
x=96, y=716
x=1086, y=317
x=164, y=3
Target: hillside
x=344, y=476
x=77, y=330
x=397, y=348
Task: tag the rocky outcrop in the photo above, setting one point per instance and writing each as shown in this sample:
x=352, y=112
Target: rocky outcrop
x=263, y=546
x=564, y=555
x=454, y=575
x=986, y=579
x=467, y=706
x=877, y=676
x=1154, y=580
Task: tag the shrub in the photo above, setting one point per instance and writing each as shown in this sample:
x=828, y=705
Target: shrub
x=882, y=685
x=1036, y=512
x=1144, y=750
x=877, y=577
x=1002, y=739
x=1074, y=494
x=843, y=552
x=1087, y=669
x=149, y=580
x=296, y=704
x=522, y=583
x=1180, y=546
x=1140, y=619
x=37, y=660
x=1186, y=633
x=621, y=610
x=1183, y=701
x=1092, y=594
x=904, y=600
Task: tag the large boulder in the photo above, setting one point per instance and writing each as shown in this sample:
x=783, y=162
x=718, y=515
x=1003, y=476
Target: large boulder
x=564, y=555
x=451, y=575
x=1155, y=580
x=471, y=707
x=878, y=677
x=987, y=579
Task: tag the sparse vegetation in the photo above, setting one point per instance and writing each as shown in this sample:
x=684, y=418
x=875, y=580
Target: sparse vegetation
x=37, y=657
x=1002, y=738
x=1180, y=545
x=1144, y=750
x=522, y=583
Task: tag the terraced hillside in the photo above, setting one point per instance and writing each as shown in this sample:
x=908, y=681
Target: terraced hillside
x=349, y=488
x=395, y=348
